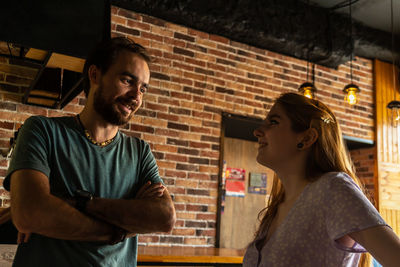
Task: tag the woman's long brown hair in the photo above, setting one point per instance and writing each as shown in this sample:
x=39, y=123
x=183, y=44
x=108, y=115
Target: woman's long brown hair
x=327, y=154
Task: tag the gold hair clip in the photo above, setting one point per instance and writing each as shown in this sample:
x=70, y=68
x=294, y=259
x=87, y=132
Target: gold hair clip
x=326, y=120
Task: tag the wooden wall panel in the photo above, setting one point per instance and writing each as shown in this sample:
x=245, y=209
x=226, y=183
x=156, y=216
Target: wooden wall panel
x=387, y=140
x=239, y=219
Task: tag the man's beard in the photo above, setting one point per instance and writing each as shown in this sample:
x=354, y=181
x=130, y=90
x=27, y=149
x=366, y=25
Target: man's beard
x=107, y=110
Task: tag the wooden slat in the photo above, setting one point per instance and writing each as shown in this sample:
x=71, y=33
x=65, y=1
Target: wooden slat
x=57, y=60
x=189, y=255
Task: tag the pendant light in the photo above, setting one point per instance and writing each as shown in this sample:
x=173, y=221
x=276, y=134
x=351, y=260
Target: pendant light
x=308, y=88
x=394, y=105
x=351, y=89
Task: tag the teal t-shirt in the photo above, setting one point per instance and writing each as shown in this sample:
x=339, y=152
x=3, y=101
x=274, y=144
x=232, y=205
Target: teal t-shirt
x=58, y=148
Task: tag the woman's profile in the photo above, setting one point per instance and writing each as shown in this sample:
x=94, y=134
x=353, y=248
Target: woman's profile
x=317, y=215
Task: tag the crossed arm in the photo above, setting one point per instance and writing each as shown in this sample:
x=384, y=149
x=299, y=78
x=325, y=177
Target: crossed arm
x=35, y=210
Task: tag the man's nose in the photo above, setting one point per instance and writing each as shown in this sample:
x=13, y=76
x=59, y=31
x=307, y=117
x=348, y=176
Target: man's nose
x=257, y=132
x=134, y=91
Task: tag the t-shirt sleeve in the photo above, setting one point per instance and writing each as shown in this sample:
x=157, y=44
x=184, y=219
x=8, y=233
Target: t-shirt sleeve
x=31, y=150
x=149, y=168
x=348, y=210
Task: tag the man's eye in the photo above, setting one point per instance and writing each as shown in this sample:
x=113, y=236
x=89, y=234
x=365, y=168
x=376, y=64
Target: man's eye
x=143, y=89
x=127, y=81
x=271, y=122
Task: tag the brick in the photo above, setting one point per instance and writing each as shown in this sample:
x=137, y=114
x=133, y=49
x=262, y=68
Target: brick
x=186, y=167
x=130, y=31
x=142, y=128
x=195, y=62
x=187, y=151
x=166, y=132
x=200, y=192
x=146, y=113
x=154, y=21
x=199, y=145
x=138, y=25
x=186, y=232
x=218, y=38
x=236, y=58
x=181, y=96
x=177, y=158
x=180, y=111
x=210, y=139
x=177, y=142
x=182, y=81
x=224, y=90
x=195, y=241
x=194, y=76
x=152, y=106
x=203, y=216
x=196, y=224
x=211, y=124
x=199, y=160
x=148, y=239
x=175, y=174
x=165, y=148
x=200, y=130
x=193, y=90
x=212, y=109
x=199, y=176
x=182, y=51
x=178, y=126
x=185, y=37
x=197, y=48
x=226, y=62
x=204, y=71
x=160, y=76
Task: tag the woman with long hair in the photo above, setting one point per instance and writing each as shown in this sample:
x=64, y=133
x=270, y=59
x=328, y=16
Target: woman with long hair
x=317, y=214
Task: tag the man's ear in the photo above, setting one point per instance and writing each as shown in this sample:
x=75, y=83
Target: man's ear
x=94, y=75
x=310, y=136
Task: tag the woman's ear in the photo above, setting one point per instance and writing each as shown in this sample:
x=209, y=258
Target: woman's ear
x=310, y=136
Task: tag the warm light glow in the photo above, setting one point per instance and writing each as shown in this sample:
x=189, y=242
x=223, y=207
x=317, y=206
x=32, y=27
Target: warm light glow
x=308, y=93
x=396, y=117
x=351, y=97
x=351, y=94
x=394, y=112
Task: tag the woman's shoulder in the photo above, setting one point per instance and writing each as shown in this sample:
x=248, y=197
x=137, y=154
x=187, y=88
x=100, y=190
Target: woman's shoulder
x=335, y=180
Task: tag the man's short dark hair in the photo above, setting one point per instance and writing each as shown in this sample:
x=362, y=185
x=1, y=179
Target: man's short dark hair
x=105, y=54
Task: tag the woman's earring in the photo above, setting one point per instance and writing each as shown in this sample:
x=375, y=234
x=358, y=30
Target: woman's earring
x=300, y=145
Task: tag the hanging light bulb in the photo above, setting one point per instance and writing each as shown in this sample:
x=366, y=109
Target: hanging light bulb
x=351, y=91
x=394, y=107
x=307, y=89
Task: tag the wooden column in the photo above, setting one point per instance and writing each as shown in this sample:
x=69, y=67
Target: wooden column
x=387, y=140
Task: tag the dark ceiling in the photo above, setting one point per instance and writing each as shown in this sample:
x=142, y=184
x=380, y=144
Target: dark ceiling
x=291, y=27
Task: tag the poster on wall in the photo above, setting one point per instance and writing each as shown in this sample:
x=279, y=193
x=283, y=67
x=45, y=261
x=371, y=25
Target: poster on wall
x=235, y=182
x=257, y=183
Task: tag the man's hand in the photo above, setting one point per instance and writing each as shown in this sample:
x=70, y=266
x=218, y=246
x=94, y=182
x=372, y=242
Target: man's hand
x=150, y=190
x=23, y=237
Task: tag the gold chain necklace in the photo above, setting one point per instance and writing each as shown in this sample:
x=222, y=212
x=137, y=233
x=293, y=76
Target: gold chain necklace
x=89, y=137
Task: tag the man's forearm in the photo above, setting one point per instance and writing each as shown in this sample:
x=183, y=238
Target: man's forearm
x=53, y=217
x=135, y=215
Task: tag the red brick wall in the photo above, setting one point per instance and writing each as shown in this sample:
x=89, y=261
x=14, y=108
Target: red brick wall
x=195, y=76
x=364, y=161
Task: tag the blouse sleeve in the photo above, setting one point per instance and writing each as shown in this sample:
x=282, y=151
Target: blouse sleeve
x=348, y=210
